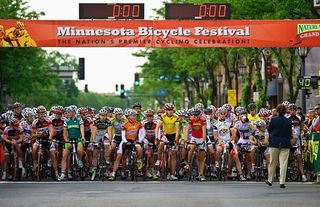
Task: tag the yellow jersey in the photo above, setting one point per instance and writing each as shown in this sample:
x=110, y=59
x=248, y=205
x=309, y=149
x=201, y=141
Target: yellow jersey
x=169, y=123
x=253, y=118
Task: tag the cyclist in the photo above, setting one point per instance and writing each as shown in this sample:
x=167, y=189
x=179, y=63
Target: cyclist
x=100, y=127
x=132, y=131
x=17, y=109
x=252, y=113
x=73, y=129
x=222, y=135
x=87, y=123
x=286, y=105
x=138, y=108
x=243, y=128
x=197, y=124
x=57, y=133
x=41, y=130
x=169, y=121
x=297, y=129
x=116, y=127
x=211, y=121
x=12, y=135
x=149, y=126
x=231, y=117
x=259, y=138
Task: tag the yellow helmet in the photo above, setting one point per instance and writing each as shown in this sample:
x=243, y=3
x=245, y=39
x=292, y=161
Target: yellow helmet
x=20, y=25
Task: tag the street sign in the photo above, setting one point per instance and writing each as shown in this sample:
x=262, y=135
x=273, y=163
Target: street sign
x=232, y=97
x=161, y=92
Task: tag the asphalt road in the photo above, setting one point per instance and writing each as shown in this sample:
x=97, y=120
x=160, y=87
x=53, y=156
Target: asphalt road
x=154, y=194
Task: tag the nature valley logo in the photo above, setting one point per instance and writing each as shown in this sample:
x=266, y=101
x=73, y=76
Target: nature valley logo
x=308, y=30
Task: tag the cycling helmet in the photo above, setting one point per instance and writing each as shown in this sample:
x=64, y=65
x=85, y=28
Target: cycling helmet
x=41, y=109
x=208, y=111
x=58, y=109
x=222, y=110
x=286, y=103
x=53, y=108
x=240, y=110
x=196, y=112
x=260, y=123
x=16, y=105
x=111, y=109
x=103, y=111
x=117, y=111
x=130, y=112
x=190, y=111
x=169, y=106
x=160, y=111
x=292, y=106
x=137, y=104
x=264, y=112
x=83, y=110
x=149, y=112
x=251, y=106
x=72, y=108
x=214, y=109
x=179, y=113
x=8, y=115
x=20, y=25
x=199, y=106
x=27, y=112
x=228, y=107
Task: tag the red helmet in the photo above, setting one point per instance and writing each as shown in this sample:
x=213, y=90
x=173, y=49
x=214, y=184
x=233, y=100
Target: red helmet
x=169, y=106
x=41, y=109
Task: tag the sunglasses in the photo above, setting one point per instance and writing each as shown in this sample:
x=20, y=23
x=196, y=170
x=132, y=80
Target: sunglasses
x=222, y=113
x=58, y=113
x=169, y=109
x=149, y=115
x=316, y=108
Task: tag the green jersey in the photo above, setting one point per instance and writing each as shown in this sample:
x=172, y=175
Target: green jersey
x=73, y=127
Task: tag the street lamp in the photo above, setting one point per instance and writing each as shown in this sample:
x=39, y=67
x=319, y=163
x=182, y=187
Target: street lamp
x=303, y=53
x=219, y=80
x=242, y=69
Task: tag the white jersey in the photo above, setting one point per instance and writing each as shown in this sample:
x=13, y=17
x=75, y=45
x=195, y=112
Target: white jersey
x=27, y=128
x=224, y=130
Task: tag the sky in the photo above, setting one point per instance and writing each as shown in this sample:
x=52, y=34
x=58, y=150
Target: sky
x=104, y=67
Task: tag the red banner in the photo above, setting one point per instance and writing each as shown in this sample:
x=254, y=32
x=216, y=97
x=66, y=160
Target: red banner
x=160, y=33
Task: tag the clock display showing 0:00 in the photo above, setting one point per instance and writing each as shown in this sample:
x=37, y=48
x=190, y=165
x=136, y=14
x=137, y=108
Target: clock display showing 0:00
x=213, y=11
x=126, y=10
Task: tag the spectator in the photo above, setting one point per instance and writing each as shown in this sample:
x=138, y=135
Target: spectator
x=280, y=130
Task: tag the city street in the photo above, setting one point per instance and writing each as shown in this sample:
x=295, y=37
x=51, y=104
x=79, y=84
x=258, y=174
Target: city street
x=170, y=194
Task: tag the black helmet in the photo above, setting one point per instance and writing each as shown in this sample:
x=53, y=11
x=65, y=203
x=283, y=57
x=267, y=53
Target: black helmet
x=137, y=104
x=252, y=106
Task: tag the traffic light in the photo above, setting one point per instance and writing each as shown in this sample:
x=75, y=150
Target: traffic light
x=86, y=90
x=122, y=91
x=117, y=88
x=81, y=69
x=137, y=79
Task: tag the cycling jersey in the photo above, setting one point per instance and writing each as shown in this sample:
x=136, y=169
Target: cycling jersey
x=231, y=118
x=296, y=123
x=223, y=129
x=42, y=126
x=140, y=116
x=73, y=127
x=244, y=131
x=117, y=126
x=260, y=135
x=57, y=127
x=210, y=126
x=254, y=118
x=18, y=116
x=196, y=126
x=131, y=130
x=169, y=123
x=87, y=130
x=150, y=130
x=27, y=129
x=102, y=127
x=12, y=133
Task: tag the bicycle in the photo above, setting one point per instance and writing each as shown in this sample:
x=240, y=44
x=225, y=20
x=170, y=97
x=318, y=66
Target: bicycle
x=13, y=163
x=101, y=160
x=133, y=169
x=75, y=168
x=164, y=170
x=223, y=162
x=293, y=172
x=260, y=172
x=28, y=160
x=193, y=170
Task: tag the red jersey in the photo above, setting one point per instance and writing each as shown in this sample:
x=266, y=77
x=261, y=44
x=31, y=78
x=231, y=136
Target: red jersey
x=196, y=126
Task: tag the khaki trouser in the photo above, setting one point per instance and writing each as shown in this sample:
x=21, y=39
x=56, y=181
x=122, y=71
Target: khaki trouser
x=281, y=155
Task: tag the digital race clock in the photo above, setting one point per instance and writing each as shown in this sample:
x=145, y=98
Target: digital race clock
x=304, y=82
x=111, y=11
x=203, y=11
